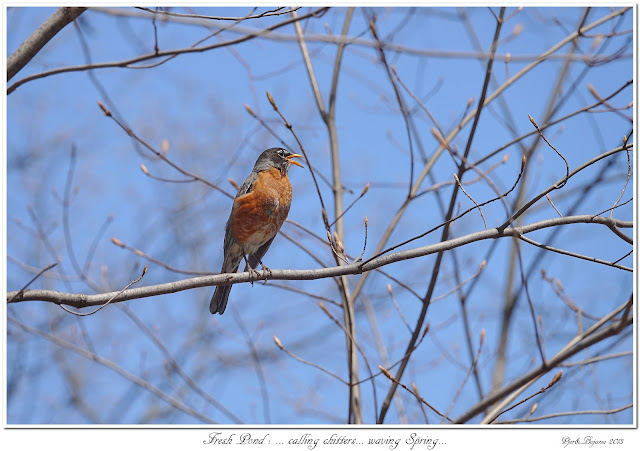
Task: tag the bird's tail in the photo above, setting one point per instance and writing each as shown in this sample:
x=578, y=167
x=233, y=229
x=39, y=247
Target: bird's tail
x=219, y=299
x=221, y=294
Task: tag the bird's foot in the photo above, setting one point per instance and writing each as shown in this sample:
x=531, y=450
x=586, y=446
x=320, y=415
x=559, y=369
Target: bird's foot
x=255, y=275
x=267, y=270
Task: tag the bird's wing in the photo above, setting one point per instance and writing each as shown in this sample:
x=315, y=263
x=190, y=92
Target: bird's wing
x=245, y=188
x=247, y=185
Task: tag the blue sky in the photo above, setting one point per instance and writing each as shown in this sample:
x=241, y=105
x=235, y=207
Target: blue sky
x=196, y=102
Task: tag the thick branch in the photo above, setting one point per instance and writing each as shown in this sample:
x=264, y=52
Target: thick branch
x=32, y=45
x=564, y=354
x=80, y=300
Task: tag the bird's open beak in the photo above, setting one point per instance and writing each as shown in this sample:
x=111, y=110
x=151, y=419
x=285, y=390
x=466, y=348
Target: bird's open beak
x=295, y=155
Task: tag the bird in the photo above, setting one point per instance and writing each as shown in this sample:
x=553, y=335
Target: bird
x=258, y=211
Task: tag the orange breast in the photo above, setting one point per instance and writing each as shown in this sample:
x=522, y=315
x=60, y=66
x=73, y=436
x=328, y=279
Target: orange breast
x=258, y=215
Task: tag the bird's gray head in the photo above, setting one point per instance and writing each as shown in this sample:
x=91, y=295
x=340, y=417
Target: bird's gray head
x=276, y=157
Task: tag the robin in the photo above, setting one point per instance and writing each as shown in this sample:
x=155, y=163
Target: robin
x=258, y=212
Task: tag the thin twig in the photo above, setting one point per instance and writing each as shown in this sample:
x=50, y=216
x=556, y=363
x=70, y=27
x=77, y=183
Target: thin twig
x=21, y=291
x=139, y=253
x=194, y=45
x=558, y=289
x=307, y=63
x=397, y=307
x=128, y=63
x=418, y=397
x=146, y=172
x=598, y=359
x=155, y=33
x=65, y=213
x=445, y=231
x=613, y=208
x=160, y=154
x=357, y=345
x=554, y=186
x=94, y=243
x=455, y=176
x=554, y=381
x=35, y=270
x=176, y=366
x=554, y=207
x=564, y=181
x=301, y=360
x=525, y=284
x=144, y=271
x=311, y=170
x=424, y=334
x=449, y=221
x=429, y=165
x=364, y=191
x=573, y=254
x=578, y=343
x=273, y=12
x=403, y=111
x=623, y=257
x=390, y=46
x=483, y=264
x=565, y=414
x=471, y=370
x=258, y=365
x=328, y=116
x=117, y=368
x=624, y=187
x=585, y=109
x=364, y=246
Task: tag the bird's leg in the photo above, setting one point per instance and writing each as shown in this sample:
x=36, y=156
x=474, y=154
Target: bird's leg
x=265, y=268
x=252, y=272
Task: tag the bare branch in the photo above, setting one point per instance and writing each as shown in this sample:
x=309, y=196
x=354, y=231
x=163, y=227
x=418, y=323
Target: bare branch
x=176, y=366
x=32, y=45
x=130, y=62
x=117, y=368
x=581, y=342
x=554, y=381
x=574, y=254
x=301, y=360
x=42, y=271
x=274, y=12
x=566, y=414
x=390, y=46
x=417, y=395
x=83, y=300
x=144, y=271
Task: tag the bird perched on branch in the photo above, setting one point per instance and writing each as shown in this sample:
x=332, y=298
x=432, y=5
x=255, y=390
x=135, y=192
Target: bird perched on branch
x=259, y=210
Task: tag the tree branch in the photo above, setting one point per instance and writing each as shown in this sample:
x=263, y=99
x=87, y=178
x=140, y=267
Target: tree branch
x=154, y=55
x=80, y=300
x=176, y=403
x=536, y=373
x=32, y=45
